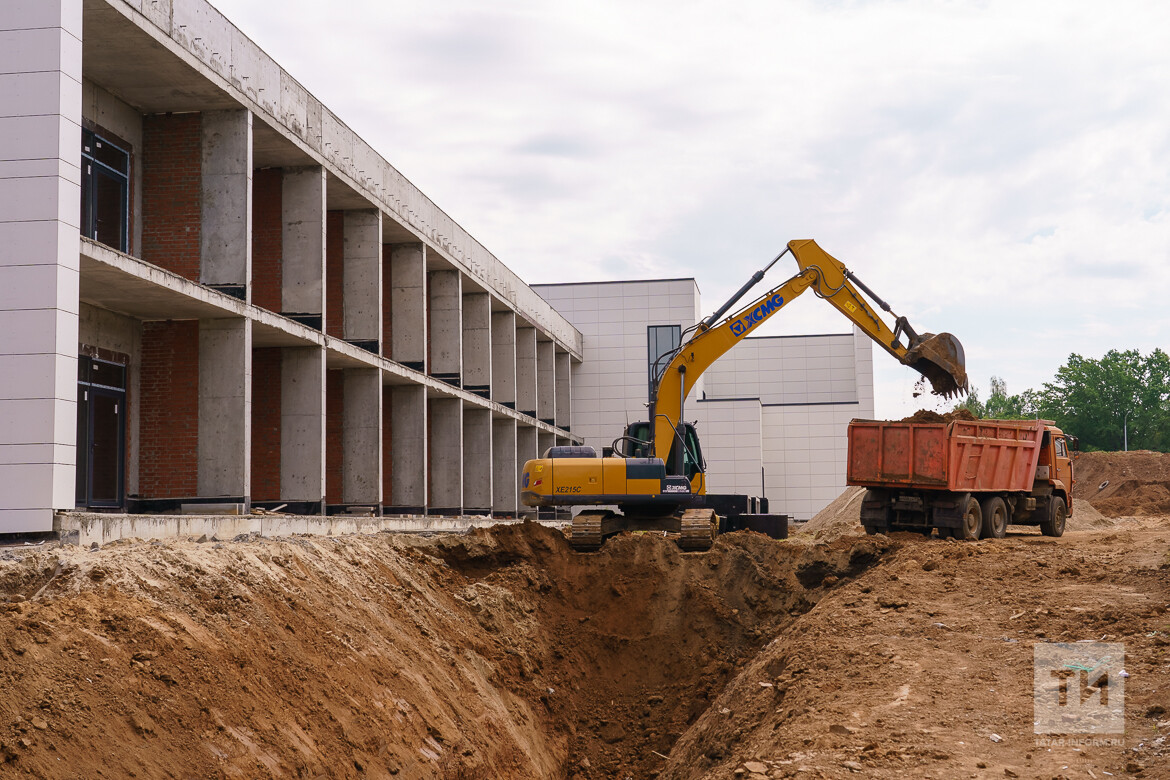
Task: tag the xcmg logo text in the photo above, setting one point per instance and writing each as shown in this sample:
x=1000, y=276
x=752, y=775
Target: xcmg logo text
x=756, y=315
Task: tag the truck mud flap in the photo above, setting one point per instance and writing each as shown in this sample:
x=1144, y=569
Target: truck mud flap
x=948, y=512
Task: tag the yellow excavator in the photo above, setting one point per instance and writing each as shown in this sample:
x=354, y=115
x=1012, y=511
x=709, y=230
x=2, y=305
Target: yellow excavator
x=654, y=474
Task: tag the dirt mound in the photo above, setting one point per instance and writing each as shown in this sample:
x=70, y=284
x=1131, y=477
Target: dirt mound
x=923, y=667
x=841, y=516
x=1124, y=484
x=927, y=416
x=501, y=653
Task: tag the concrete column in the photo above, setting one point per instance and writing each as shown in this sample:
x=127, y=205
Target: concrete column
x=564, y=384
x=225, y=408
x=408, y=447
x=526, y=370
x=361, y=440
x=303, y=245
x=445, y=289
x=504, y=358
x=544, y=440
x=477, y=343
x=226, y=209
x=505, y=490
x=477, y=460
x=302, y=426
x=525, y=450
x=363, y=279
x=546, y=402
x=445, y=455
x=40, y=189
x=408, y=305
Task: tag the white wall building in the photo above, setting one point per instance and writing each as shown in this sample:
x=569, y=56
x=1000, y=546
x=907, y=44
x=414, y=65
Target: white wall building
x=213, y=291
x=771, y=413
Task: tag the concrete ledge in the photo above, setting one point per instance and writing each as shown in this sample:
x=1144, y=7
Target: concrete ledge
x=85, y=529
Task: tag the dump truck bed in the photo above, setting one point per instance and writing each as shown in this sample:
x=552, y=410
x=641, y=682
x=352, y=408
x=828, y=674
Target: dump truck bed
x=960, y=456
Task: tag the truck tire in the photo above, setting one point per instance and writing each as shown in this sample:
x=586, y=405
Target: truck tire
x=1053, y=525
x=994, y=517
x=971, y=525
x=875, y=521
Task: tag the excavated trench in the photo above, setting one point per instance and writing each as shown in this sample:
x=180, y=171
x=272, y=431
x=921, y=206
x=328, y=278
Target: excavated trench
x=501, y=653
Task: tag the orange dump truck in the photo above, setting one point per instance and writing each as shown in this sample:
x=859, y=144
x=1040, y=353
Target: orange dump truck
x=970, y=479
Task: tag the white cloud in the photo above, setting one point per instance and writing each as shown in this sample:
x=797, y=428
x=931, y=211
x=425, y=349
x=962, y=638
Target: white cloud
x=997, y=169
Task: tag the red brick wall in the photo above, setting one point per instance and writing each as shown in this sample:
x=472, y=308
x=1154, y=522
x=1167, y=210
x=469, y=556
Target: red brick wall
x=387, y=450
x=266, y=424
x=334, y=414
x=169, y=420
x=267, y=229
x=387, y=294
x=335, y=273
x=172, y=192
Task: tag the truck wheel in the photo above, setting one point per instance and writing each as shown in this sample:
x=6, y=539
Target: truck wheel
x=1053, y=525
x=972, y=523
x=994, y=517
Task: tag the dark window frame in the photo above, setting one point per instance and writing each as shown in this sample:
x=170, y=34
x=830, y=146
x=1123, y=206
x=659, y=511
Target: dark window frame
x=90, y=386
x=653, y=340
x=103, y=160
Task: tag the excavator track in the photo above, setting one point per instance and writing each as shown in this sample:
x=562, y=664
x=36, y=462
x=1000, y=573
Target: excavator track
x=699, y=527
x=587, y=532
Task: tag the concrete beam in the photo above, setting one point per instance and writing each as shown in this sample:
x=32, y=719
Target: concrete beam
x=361, y=464
x=564, y=385
x=546, y=402
x=302, y=424
x=526, y=400
x=363, y=278
x=40, y=189
x=477, y=343
x=408, y=305
x=504, y=358
x=445, y=456
x=445, y=355
x=303, y=244
x=505, y=488
x=477, y=460
x=408, y=448
x=226, y=208
x=224, y=452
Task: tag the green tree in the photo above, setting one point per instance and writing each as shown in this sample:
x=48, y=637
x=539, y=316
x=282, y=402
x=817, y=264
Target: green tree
x=999, y=404
x=1101, y=401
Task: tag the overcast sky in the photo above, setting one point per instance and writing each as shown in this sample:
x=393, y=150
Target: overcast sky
x=996, y=169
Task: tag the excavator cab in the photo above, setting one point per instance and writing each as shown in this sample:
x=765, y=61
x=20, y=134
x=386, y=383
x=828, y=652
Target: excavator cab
x=635, y=443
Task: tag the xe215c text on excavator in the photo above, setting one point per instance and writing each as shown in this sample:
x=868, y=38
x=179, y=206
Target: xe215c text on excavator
x=656, y=475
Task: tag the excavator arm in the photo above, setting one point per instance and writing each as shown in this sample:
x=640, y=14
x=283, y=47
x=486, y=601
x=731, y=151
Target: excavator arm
x=939, y=358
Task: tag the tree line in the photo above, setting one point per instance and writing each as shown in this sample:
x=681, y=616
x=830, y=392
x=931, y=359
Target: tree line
x=1121, y=399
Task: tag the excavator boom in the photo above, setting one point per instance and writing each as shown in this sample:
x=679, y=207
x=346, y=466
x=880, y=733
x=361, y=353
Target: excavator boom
x=939, y=358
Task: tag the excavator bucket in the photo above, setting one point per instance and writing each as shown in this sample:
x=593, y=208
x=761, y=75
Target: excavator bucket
x=941, y=360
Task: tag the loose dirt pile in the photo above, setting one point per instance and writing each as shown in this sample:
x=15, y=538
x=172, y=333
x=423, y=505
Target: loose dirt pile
x=1125, y=484
x=501, y=653
x=927, y=416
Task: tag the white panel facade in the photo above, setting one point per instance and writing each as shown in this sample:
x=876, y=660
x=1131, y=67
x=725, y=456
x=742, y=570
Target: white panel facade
x=40, y=188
